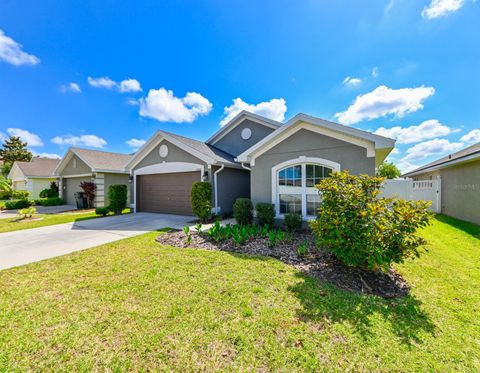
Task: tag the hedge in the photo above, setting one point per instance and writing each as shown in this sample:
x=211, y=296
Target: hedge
x=201, y=199
x=117, y=195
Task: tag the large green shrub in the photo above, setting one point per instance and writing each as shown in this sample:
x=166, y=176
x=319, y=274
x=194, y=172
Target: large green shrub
x=102, y=211
x=50, y=192
x=117, y=195
x=363, y=230
x=265, y=214
x=52, y=201
x=20, y=194
x=293, y=222
x=17, y=204
x=201, y=199
x=243, y=211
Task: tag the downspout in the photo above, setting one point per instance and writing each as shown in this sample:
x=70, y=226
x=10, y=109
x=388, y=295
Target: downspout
x=246, y=167
x=216, y=186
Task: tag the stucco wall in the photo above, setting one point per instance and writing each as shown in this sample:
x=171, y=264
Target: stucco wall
x=232, y=184
x=233, y=143
x=115, y=179
x=82, y=167
x=306, y=143
x=72, y=185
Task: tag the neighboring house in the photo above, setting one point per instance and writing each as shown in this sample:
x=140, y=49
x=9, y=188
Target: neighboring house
x=255, y=157
x=460, y=182
x=33, y=176
x=102, y=168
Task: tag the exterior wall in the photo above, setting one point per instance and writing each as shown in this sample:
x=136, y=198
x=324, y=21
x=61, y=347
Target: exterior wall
x=306, y=143
x=70, y=186
x=82, y=167
x=232, y=184
x=19, y=185
x=233, y=143
x=100, y=197
x=115, y=179
x=37, y=185
x=427, y=176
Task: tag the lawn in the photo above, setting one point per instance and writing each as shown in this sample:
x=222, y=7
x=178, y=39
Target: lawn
x=135, y=305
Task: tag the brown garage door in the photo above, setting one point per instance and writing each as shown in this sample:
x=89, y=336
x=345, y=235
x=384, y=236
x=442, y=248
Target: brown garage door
x=166, y=193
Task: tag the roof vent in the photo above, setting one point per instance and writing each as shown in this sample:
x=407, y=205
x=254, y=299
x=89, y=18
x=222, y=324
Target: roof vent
x=449, y=156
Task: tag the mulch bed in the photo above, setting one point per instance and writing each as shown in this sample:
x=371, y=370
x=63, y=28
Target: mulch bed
x=317, y=262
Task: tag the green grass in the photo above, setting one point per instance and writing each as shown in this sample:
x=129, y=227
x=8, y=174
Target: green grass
x=135, y=305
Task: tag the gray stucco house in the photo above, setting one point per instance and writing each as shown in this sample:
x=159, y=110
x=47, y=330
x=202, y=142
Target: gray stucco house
x=255, y=157
x=460, y=182
x=102, y=168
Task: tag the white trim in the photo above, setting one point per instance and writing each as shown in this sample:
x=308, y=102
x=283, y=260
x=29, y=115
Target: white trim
x=303, y=161
x=66, y=158
x=217, y=208
x=77, y=175
x=466, y=159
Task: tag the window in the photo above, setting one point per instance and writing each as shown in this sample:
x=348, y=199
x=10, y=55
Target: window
x=74, y=162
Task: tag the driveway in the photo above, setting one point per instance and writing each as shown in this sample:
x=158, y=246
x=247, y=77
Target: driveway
x=40, y=210
x=31, y=245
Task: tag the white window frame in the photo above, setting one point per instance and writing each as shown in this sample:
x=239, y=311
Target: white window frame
x=302, y=161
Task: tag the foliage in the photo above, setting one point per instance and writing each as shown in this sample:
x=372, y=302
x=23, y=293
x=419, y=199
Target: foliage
x=188, y=235
x=201, y=200
x=103, y=211
x=265, y=214
x=117, y=195
x=27, y=213
x=243, y=211
x=20, y=194
x=50, y=192
x=89, y=189
x=16, y=204
x=293, y=222
x=13, y=149
x=198, y=227
x=52, y=201
x=364, y=230
x=388, y=170
x=302, y=249
x=5, y=185
x=5, y=194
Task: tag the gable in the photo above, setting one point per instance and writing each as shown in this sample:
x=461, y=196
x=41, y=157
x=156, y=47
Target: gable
x=70, y=169
x=16, y=173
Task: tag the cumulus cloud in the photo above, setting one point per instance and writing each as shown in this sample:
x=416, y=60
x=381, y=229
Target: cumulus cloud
x=274, y=109
x=135, y=143
x=12, y=52
x=352, y=82
x=127, y=85
x=424, y=131
x=383, y=101
x=440, y=8
x=46, y=155
x=103, y=82
x=70, y=87
x=375, y=72
x=30, y=138
x=471, y=137
x=130, y=85
x=162, y=105
x=83, y=140
x=432, y=147
x=3, y=137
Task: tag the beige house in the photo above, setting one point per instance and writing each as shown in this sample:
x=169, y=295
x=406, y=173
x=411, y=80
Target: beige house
x=460, y=182
x=33, y=176
x=102, y=168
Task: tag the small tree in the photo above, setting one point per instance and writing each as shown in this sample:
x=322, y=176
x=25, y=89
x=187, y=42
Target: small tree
x=201, y=200
x=363, y=230
x=89, y=189
x=117, y=195
x=243, y=211
x=13, y=149
x=388, y=170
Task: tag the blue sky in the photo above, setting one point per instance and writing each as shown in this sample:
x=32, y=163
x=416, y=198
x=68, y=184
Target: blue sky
x=101, y=73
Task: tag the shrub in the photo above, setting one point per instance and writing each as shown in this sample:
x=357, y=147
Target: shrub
x=293, y=222
x=201, y=200
x=243, y=211
x=52, y=201
x=20, y=194
x=50, y=192
x=27, y=212
x=89, y=189
x=117, y=195
x=363, y=230
x=265, y=213
x=5, y=194
x=17, y=204
x=102, y=211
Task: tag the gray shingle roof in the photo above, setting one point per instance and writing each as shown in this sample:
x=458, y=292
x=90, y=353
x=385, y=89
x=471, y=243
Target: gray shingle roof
x=101, y=160
x=38, y=167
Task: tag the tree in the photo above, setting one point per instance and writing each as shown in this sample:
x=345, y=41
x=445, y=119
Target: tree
x=89, y=189
x=388, y=170
x=13, y=149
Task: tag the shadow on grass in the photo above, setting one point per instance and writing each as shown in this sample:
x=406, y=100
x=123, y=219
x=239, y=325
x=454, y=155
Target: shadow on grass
x=325, y=304
x=465, y=226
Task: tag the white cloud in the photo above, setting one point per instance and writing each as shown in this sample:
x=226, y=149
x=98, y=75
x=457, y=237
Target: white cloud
x=130, y=85
x=11, y=52
x=431, y=147
x=135, y=143
x=274, y=109
x=471, y=137
x=352, y=82
x=46, y=155
x=383, y=101
x=83, y=140
x=30, y=138
x=3, y=137
x=440, y=8
x=103, y=82
x=70, y=87
x=162, y=105
x=424, y=131
x=375, y=72
x=127, y=85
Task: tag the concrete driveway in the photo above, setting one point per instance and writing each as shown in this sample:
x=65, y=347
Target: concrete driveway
x=31, y=245
x=40, y=210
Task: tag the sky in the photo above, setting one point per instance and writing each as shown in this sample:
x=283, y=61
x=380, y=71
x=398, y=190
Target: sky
x=107, y=74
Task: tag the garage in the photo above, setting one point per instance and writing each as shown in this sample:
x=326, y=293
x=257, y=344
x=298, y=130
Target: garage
x=71, y=186
x=166, y=193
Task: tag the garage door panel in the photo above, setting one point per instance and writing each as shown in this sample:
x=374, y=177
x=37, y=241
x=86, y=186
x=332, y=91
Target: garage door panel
x=166, y=193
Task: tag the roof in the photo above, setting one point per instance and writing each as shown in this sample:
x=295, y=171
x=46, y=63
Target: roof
x=38, y=167
x=469, y=153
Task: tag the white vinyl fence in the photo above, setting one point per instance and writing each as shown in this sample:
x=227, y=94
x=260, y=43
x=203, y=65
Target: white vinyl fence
x=427, y=190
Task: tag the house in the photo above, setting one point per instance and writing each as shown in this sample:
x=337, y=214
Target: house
x=255, y=157
x=460, y=182
x=33, y=176
x=100, y=167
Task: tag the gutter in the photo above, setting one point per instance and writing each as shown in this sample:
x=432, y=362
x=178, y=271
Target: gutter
x=216, y=186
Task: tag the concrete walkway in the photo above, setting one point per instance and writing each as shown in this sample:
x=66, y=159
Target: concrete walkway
x=31, y=245
x=40, y=210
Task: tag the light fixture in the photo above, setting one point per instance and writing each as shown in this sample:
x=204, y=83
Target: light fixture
x=205, y=176
x=130, y=178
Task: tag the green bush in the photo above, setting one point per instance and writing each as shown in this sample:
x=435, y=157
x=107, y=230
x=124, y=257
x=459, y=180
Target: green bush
x=50, y=192
x=265, y=214
x=52, y=201
x=27, y=213
x=243, y=211
x=201, y=200
x=102, y=211
x=17, y=204
x=20, y=194
x=363, y=230
x=117, y=195
x=5, y=194
x=293, y=222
